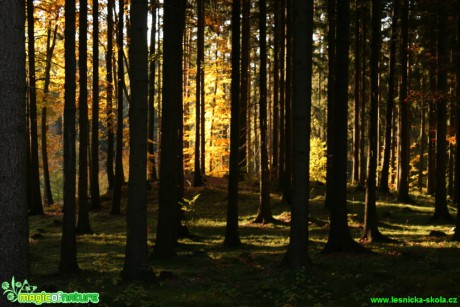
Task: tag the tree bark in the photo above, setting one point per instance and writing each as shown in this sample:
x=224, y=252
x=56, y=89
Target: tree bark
x=232, y=235
x=357, y=93
x=152, y=169
x=109, y=107
x=13, y=147
x=68, y=261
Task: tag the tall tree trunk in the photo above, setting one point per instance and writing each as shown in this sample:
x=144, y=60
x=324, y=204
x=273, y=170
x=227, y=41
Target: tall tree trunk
x=441, y=212
x=50, y=44
x=404, y=109
x=95, y=199
x=339, y=234
x=281, y=166
x=364, y=99
x=371, y=232
x=13, y=146
x=109, y=107
x=296, y=255
x=136, y=256
x=264, y=214
x=36, y=199
x=170, y=177
x=83, y=207
x=457, y=119
x=152, y=171
x=431, y=183
x=197, y=176
x=119, y=177
x=245, y=54
x=357, y=93
x=331, y=76
x=384, y=175
x=276, y=82
x=68, y=261
x=422, y=141
x=232, y=235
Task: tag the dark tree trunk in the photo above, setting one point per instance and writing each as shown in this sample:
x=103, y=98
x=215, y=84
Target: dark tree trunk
x=422, y=141
x=83, y=207
x=331, y=76
x=232, y=234
x=357, y=93
x=371, y=231
x=170, y=176
x=287, y=187
x=264, y=214
x=94, y=182
x=282, y=94
x=451, y=134
x=364, y=98
x=296, y=255
x=276, y=82
x=384, y=175
x=441, y=212
x=68, y=261
x=119, y=177
x=36, y=199
x=243, y=160
x=339, y=234
x=109, y=107
x=457, y=119
x=50, y=44
x=136, y=256
x=197, y=176
x=431, y=184
x=14, y=240
x=404, y=109
x=152, y=169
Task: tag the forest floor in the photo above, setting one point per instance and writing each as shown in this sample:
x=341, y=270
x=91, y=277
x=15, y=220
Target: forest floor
x=205, y=273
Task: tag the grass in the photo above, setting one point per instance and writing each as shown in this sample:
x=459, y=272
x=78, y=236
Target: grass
x=205, y=273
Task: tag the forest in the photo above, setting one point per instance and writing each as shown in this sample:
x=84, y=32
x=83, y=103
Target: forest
x=229, y=152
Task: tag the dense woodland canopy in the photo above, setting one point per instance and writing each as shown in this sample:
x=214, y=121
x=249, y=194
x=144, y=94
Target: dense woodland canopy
x=322, y=117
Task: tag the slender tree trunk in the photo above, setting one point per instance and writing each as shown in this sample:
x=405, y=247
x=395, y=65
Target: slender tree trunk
x=152, y=171
x=384, y=175
x=83, y=207
x=264, y=214
x=68, y=261
x=50, y=44
x=421, y=165
x=232, y=235
x=119, y=177
x=243, y=160
x=371, y=232
x=404, y=109
x=451, y=134
x=136, y=256
x=431, y=184
x=296, y=255
x=14, y=238
x=281, y=166
x=95, y=199
x=457, y=119
x=331, y=76
x=441, y=212
x=170, y=177
x=197, y=175
x=364, y=99
x=109, y=107
x=357, y=93
x=339, y=234
x=36, y=199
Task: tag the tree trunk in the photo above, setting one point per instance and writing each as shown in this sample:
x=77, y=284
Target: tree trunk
x=421, y=165
x=152, y=171
x=169, y=190
x=50, y=44
x=264, y=214
x=83, y=208
x=441, y=212
x=136, y=256
x=94, y=186
x=232, y=235
x=13, y=147
x=364, y=99
x=384, y=175
x=339, y=235
x=357, y=93
x=36, y=199
x=197, y=176
x=457, y=119
x=68, y=261
x=109, y=107
x=371, y=232
x=296, y=255
x=404, y=109
x=281, y=165
x=245, y=54
x=119, y=145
